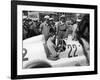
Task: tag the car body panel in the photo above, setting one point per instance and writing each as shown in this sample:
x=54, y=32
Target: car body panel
x=35, y=51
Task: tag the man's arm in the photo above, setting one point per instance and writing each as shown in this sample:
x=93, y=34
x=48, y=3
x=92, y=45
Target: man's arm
x=41, y=27
x=57, y=28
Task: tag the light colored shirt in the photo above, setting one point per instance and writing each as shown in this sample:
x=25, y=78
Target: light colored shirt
x=51, y=46
x=44, y=28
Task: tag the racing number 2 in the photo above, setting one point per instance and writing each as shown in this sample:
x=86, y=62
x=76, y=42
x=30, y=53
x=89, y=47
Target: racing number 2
x=72, y=51
x=24, y=55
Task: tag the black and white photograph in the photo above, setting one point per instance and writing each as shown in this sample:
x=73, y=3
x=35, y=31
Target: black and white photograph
x=54, y=39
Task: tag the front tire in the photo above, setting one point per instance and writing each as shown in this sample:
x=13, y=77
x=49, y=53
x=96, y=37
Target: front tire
x=38, y=64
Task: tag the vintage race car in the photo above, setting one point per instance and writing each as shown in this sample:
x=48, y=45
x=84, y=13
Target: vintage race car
x=35, y=54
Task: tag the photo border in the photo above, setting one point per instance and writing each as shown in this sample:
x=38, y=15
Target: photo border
x=14, y=38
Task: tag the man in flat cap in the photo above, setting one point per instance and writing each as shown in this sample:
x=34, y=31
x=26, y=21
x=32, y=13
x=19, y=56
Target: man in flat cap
x=44, y=28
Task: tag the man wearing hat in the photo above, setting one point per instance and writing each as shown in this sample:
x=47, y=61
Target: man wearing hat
x=52, y=29
x=44, y=28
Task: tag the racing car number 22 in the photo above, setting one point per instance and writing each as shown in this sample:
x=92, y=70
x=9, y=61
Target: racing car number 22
x=71, y=47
